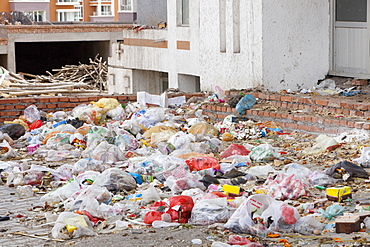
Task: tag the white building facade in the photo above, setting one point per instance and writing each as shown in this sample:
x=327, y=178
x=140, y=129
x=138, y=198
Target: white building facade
x=238, y=44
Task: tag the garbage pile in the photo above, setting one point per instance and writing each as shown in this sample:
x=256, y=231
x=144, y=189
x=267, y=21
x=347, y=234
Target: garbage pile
x=106, y=167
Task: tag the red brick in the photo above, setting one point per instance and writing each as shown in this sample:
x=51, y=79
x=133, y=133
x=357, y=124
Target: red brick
x=286, y=98
x=204, y=107
x=95, y=98
x=9, y=107
x=66, y=105
x=335, y=104
x=301, y=107
x=295, y=106
x=358, y=125
x=275, y=97
x=335, y=122
x=291, y=116
x=343, y=122
x=265, y=113
x=229, y=109
x=308, y=101
x=363, y=107
x=50, y=106
x=284, y=105
x=248, y=112
x=308, y=119
x=346, y=112
x=278, y=115
x=338, y=111
x=2, y=107
x=321, y=102
x=255, y=113
x=327, y=121
x=314, y=119
x=332, y=110
x=292, y=125
x=42, y=106
x=27, y=100
x=366, y=126
x=8, y=101
x=359, y=113
x=278, y=104
x=315, y=129
x=74, y=99
x=20, y=107
x=284, y=115
x=234, y=110
x=221, y=116
x=301, y=118
x=43, y=100
x=304, y=127
x=11, y=113
x=350, y=124
x=272, y=114
x=54, y=99
x=295, y=117
x=218, y=108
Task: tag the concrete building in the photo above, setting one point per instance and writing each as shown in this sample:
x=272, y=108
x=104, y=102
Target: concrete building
x=74, y=10
x=276, y=44
x=36, y=49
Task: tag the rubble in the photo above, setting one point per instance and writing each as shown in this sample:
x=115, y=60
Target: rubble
x=70, y=79
x=104, y=168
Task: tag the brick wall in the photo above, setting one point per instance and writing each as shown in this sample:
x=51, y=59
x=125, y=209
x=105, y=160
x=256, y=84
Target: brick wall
x=312, y=114
x=3, y=41
x=12, y=108
x=65, y=28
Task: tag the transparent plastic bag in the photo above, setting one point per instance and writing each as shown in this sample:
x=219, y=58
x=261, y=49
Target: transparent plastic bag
x=210, y=211
x=71, y=225
x=31, y=113
x=306, y=225
x=234, y=149
x=107, y=153
x=117, y=113
x=115, y=179
x=364, y=159
x=263, y=153
x=86, y=164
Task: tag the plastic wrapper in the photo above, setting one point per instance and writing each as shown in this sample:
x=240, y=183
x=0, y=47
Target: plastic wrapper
x=263, y=207
x=332, y=211
x=234, y=149
x=150, y=195
x=71, y=225
x=107, y=153
x=86, y=164
x=306, y=225
x=158, y=129
x=321, y=179
x=209, y=211
x=13, y=130
x=58, y=139
x=89, y=113
x=247, y=102
x=31, y=113
x=203, y=128
x=55, y=155
x=202, y=163
x=115, y=179
x=25, y=191
x=149, y=117
x=263, y=153
x=162, y=136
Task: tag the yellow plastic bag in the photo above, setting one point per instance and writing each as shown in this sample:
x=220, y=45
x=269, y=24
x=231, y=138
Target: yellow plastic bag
x=107, y=104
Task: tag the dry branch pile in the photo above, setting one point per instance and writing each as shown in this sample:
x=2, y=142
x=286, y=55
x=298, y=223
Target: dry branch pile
x=70, y=79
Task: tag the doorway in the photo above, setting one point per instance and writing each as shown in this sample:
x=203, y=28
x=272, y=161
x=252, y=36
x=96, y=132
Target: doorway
x=350, y=52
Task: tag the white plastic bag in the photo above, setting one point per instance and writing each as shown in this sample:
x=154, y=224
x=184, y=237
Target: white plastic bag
x=209, y=211
x=81, y=222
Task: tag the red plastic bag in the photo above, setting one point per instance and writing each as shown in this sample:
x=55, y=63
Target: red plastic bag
x=158, y=204
x=35, y=125
x=183, y=212
x=202, y=163
x=234, y=149
x=238, y=240
x=152, y=216
x=288, y=214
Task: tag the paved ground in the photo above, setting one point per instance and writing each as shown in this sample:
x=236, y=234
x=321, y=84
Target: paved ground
x=12, y=205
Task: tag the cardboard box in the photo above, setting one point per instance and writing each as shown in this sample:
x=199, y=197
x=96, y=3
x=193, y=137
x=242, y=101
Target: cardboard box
x=338, y=194
x=347, y=224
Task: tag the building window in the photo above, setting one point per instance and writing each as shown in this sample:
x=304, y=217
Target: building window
x=106, y=10
x=80, y=11
x=185, y=12
x=126, y=5
x=36, y=15
x=68, y=16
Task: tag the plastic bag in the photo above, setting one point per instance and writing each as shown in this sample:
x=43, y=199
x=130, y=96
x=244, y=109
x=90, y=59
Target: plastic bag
x=149, y=117
x=107, y=104
x=107, y=153
x=234, y=149
x=150, y=195
x=364, y=160
x=10, y=154
x=117, y=113
x=179, y=179
x=86, y=164
x=71, y=225
x=263, y=153
x=347, y=167
x=209, y=211
x=322, y=143
x=14, y=131
x=247, y=102
x=263, y=207
x=203, y=128
x=202, y=163
x=306, y=225
x=180, y=208
x=332, y=211
x=261, y=171
x=61, y=193
x=31, y=113
x=115, y=179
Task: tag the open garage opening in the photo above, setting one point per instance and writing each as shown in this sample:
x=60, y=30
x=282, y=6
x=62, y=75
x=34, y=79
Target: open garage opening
x=38, y=57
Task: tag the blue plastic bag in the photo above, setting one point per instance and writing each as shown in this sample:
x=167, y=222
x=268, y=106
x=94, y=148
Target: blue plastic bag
x=247, y=102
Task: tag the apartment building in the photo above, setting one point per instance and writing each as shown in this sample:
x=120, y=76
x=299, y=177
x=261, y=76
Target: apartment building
x=233, y=44
x=74, y=10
